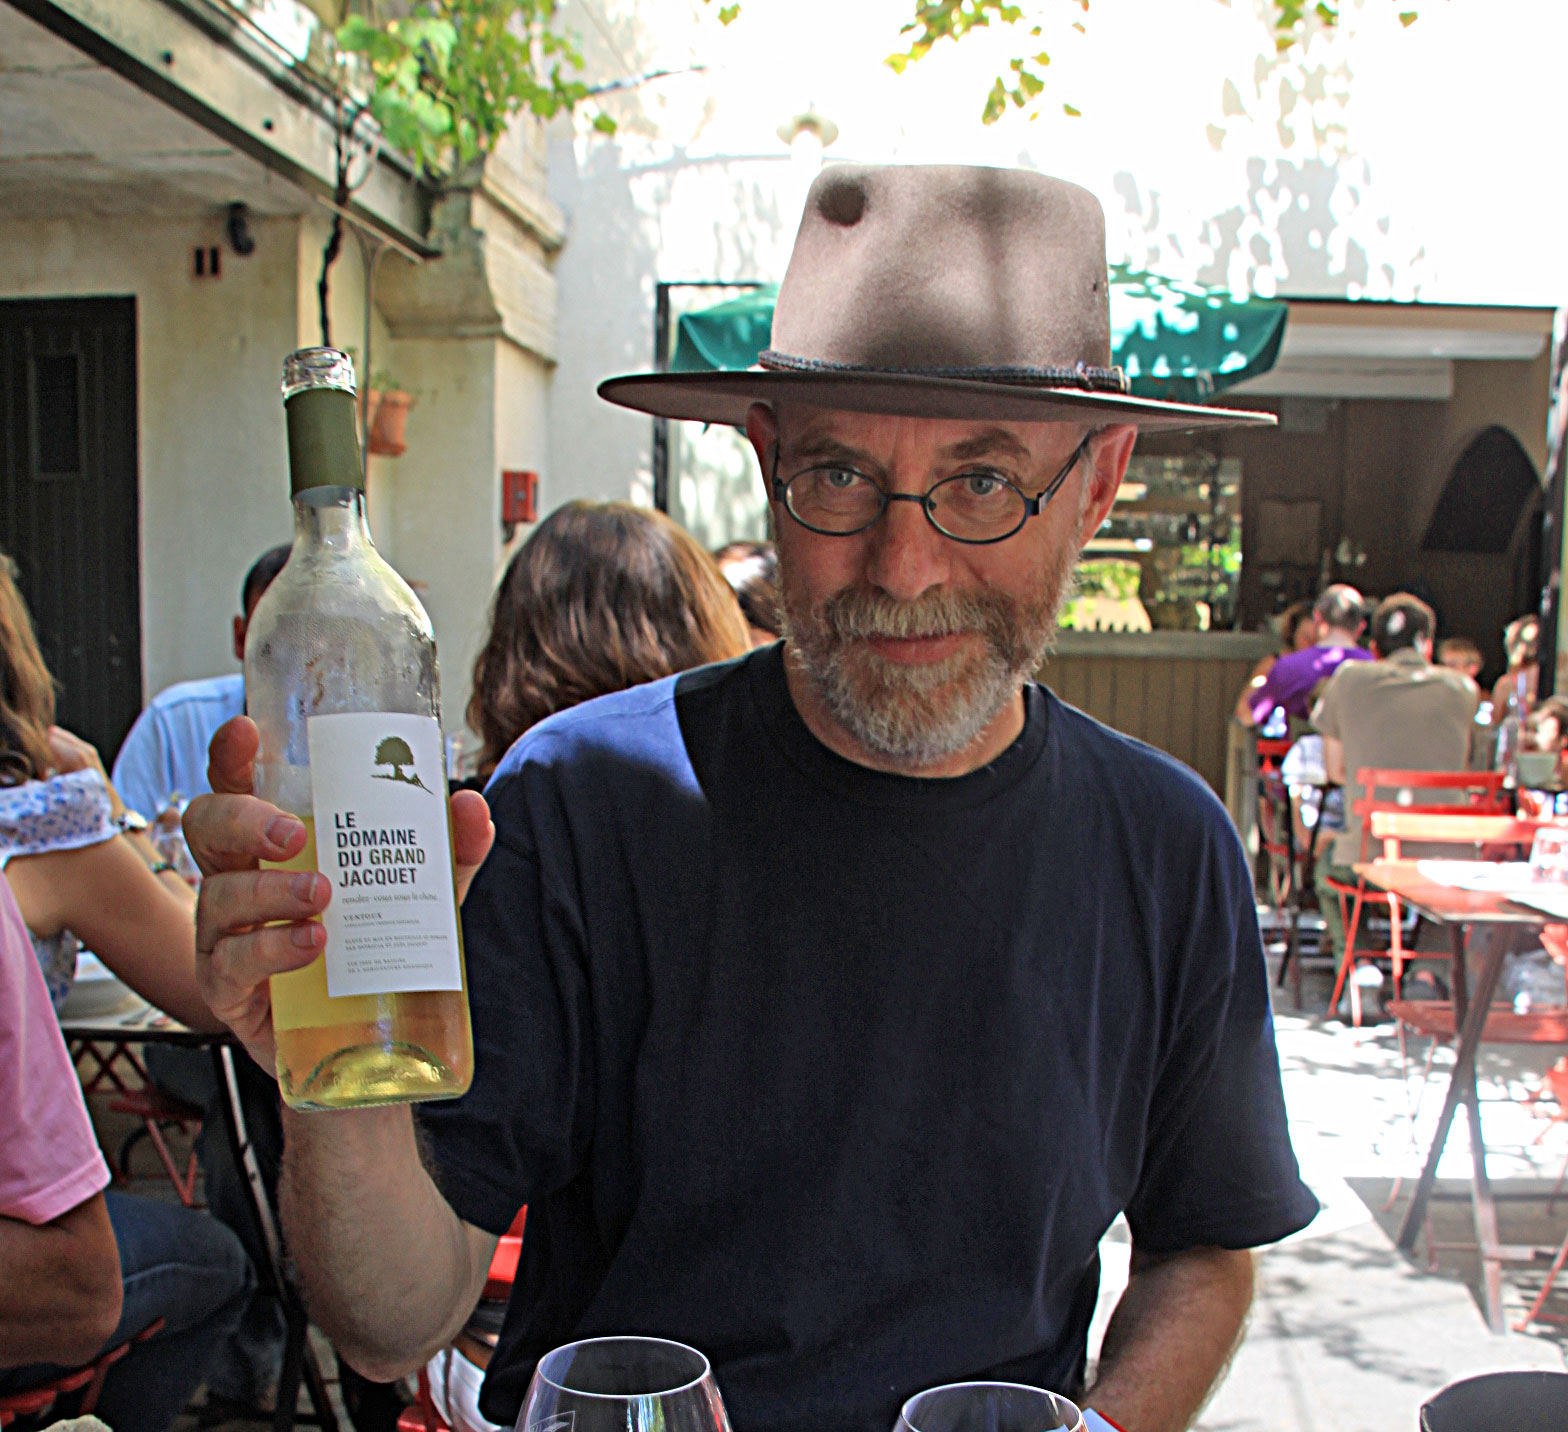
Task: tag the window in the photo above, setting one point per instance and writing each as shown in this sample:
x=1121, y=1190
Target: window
x=1168, y=558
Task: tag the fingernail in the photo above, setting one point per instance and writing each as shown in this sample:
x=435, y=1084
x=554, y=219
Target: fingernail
x=303, y=886
x=304, y=936
x=281, y=831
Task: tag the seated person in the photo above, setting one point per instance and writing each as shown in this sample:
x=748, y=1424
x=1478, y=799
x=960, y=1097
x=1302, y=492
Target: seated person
x=602, y=597
x=1399, y=712
x=752, y=569
x=1459, y=653
x=83, y=873
x=1522, y=644
x=81, y=868
x=164, y=755
x=1292, y=683
x=1297, y=629
x=84, y=1270
x=1545, y=731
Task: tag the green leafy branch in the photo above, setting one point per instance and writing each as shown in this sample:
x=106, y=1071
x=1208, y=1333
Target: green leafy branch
x=451, y=75
x=938, y=20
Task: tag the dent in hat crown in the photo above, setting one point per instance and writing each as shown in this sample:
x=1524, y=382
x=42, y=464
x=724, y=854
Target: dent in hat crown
x=943, y=269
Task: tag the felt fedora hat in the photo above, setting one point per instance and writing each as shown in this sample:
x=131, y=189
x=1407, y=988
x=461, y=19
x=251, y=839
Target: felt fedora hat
x=938, y=291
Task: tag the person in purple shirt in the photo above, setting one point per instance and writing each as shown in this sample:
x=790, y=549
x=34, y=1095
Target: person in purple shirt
x=1294, y=679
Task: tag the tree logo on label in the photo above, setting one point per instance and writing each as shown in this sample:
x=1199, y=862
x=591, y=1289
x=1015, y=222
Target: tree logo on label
x=393, y=751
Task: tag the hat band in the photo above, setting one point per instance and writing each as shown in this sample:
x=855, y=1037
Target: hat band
x=1082, y=375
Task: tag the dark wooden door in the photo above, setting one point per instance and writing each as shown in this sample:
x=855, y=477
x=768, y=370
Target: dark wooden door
x=69, y=506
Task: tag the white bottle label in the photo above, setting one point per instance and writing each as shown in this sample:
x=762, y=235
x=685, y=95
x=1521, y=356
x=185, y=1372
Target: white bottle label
x=383, y=841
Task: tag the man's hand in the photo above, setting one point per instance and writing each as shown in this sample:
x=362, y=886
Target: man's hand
x=251, y=923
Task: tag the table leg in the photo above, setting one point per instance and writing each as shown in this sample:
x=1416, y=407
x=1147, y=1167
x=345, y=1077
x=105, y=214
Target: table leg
x=299, y=1357
x=1472, y=1020
x=1300, y=878
x=1485, y=1211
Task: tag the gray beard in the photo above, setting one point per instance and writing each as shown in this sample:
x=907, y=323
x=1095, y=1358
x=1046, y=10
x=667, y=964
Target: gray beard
x=914, y=717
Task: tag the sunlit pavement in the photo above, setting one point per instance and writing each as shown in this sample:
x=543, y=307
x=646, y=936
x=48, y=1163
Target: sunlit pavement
x=1348, y=1334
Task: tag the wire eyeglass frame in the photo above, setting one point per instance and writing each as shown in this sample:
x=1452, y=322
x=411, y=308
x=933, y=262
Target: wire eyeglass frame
x=1031, y=506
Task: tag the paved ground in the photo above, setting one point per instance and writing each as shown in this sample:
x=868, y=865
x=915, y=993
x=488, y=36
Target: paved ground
x=1347, y=1334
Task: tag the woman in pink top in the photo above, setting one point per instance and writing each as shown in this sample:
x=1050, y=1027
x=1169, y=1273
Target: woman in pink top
x=83, y=1270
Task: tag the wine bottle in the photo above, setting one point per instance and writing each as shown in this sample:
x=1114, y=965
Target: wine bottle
x=340, y=678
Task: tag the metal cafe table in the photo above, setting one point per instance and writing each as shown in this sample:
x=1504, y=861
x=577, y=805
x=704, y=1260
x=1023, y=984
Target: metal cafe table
x=1458, y=911
x=106, y=1039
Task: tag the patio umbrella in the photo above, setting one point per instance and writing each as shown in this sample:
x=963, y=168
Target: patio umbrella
x=1178, y=341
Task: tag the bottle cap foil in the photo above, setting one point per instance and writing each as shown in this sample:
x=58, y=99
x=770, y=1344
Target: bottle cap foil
x=307, y=368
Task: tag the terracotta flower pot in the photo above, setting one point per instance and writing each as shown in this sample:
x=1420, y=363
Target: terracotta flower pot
x=388, y=417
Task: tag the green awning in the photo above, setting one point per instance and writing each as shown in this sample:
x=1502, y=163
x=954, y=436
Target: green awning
x=1178, y=341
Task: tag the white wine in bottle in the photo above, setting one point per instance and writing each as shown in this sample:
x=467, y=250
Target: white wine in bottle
x=340, y=677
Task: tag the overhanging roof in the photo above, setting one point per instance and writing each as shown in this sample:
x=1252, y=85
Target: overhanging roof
x=1359, y=349
x=228, y=99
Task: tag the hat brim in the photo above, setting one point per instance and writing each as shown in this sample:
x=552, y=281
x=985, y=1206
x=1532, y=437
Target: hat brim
x=724, y=397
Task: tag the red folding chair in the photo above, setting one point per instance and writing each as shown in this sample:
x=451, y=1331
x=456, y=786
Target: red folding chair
x=1276, y=834
x=87, y=1380
x=158, y=1111
x=1473, y=793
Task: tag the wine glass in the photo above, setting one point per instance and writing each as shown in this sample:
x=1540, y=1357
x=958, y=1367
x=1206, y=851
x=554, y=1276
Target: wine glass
x=989, y=1407
x=623, y=1384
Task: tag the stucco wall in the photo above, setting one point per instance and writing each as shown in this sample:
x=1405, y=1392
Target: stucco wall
x=212, y=461
x=480, y=409
x=213, y=468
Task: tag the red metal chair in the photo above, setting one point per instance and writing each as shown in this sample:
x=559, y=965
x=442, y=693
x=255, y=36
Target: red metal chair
x=1276, y=833
x=158, y=1111
x=87, y=1380
x=1473, y=792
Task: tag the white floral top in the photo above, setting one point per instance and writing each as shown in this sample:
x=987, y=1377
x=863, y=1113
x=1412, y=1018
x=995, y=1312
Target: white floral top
x=62, y=813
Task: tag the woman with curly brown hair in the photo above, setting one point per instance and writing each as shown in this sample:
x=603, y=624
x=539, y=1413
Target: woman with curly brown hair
x=603, y=596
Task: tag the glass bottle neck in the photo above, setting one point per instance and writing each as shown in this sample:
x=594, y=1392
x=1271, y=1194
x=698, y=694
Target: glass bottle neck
x=332, y=518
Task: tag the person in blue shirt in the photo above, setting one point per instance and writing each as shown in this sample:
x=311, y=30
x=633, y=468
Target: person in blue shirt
x=830, y=1003
x=164, y=754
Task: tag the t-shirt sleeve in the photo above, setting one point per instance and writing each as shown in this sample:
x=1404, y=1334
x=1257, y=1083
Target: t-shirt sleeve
x=49, y=1159
x=522, y=1130
x=1264, y=697
x=141, y=770
x=1218, y=1167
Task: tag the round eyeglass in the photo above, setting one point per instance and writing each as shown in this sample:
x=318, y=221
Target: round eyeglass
x=975, y=507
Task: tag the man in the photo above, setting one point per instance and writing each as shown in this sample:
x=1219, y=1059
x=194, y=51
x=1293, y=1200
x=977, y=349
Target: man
x=1399, y=712
x=829, y=1004
x=165, y=752
x=1293, y=682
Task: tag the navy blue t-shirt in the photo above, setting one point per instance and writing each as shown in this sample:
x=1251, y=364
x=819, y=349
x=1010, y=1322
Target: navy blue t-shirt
x=839, y=1075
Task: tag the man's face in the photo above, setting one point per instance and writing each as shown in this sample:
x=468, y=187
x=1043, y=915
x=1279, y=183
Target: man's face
x=913, y=642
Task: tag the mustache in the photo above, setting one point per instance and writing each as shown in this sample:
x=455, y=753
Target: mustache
x=859, y=613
